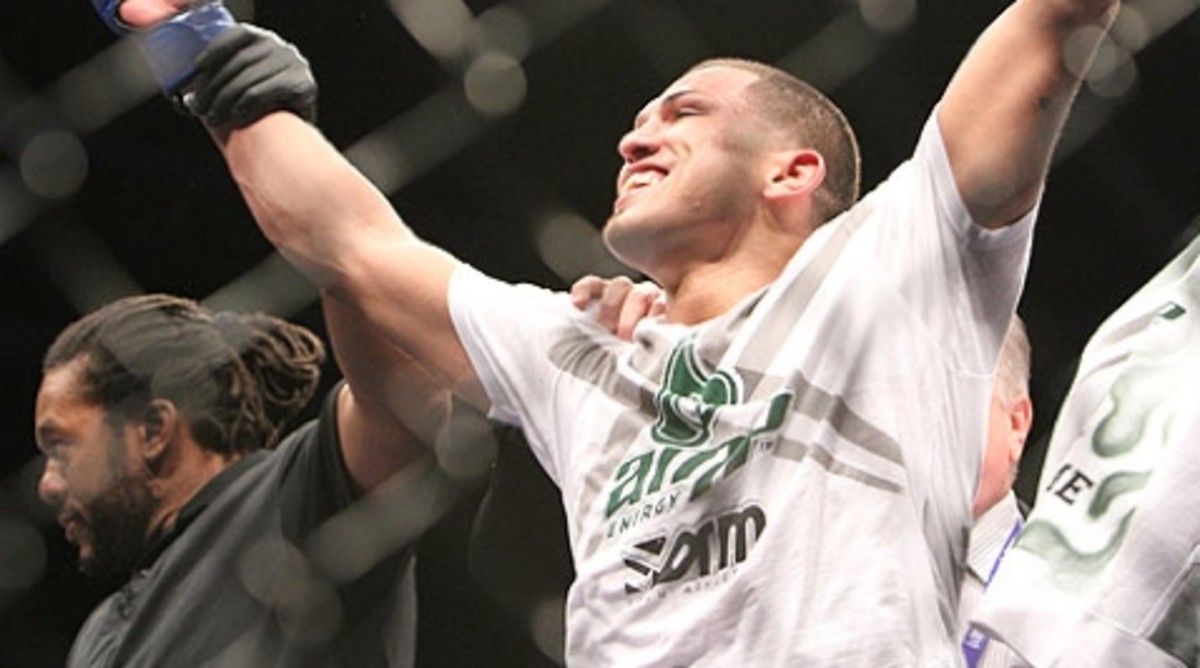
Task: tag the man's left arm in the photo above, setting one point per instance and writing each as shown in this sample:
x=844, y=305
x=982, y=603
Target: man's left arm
x=1005, y=107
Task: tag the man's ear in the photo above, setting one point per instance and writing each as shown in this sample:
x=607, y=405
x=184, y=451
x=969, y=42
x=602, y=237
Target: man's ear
x=159, y=424
x=796, y=173
x=1020, y=416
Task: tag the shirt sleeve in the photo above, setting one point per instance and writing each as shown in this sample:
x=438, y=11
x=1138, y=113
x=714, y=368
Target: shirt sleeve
x=316, y=482
x=508, y=332
x=961, y=279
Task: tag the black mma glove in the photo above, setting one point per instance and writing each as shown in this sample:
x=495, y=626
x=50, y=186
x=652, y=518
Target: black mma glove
x=245, y=73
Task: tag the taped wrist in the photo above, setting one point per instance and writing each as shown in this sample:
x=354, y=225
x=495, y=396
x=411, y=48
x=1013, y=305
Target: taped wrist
x=107, y=9
x=171, y=46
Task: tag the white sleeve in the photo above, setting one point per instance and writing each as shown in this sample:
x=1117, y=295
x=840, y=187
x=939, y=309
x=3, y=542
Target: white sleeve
x=955, y=275
x=506, y=331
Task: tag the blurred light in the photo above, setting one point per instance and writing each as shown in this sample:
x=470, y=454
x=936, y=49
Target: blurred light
x=109, y=84
x=276, y=573
x=1108, y=69
x=469, y=446
x=1131, y=29
x=81, y=267
x=273, y=287
x=22, y=555
x=1089, y=115
x=495, y=84
x=445, y=123
x=443, y=27
x=649, y=22
x=346, y=546
x=1113, y=72
x=16, y=205
x=54, y=164
x=549, y=20
x=389, y=518
x=417, y=141
x=888, y=16
x=842, y=49
x=503, y=29
x=380, y=161
x=547, y=626
x=1079, y=49
x=571, y=247
x=22, y=487
x=242, y=9
x=1162, y=15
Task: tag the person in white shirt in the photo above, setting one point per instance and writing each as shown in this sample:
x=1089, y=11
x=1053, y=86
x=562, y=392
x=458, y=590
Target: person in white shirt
x=1105, y=571
x=779, y=469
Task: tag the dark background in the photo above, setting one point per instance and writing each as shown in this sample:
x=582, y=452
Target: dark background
x=140, y=201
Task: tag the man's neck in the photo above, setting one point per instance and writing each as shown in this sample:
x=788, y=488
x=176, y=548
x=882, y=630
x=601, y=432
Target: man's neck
x=709, y=290
x=179, y=483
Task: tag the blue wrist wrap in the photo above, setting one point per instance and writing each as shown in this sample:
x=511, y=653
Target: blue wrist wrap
x=171, y=47
x=107, y=9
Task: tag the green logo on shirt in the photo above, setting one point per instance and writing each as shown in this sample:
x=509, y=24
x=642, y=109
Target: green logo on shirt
x=689, y=401
x=689, y=404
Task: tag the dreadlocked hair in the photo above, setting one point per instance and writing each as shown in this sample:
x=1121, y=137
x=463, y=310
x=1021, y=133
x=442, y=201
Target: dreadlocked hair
x=285, y=360
x=237, y=387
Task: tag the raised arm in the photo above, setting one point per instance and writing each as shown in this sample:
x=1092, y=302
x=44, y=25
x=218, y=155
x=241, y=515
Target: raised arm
x=332, y=224
x=1006, y=105
x=255, y=92
x=391, y=412
x=308, y=200
x=319, y=211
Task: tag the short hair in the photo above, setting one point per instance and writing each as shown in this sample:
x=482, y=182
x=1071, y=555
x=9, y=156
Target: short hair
x=807, y=116
x=237, y=378
x=1013, y=369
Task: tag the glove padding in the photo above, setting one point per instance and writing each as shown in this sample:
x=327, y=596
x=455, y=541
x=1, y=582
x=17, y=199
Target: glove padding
x=247, y=72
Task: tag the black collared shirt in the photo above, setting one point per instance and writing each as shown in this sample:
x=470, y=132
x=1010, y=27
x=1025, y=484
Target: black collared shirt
x=236, y=581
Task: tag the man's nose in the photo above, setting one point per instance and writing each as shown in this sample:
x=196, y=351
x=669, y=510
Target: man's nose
x=640, y=142
x=52, y=486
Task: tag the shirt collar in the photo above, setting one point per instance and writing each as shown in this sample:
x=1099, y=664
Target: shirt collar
x=194, y=506
x=990, y=534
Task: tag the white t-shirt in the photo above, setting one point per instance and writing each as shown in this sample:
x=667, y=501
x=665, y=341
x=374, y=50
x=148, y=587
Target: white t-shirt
x=1105, y=571
x=786, y=484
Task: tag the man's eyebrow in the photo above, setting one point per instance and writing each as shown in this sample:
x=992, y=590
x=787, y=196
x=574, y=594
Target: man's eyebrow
x=667, y=99
x=671, y=97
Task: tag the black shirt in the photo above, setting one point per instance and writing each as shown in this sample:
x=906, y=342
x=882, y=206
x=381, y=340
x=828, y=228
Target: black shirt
x=239, y=580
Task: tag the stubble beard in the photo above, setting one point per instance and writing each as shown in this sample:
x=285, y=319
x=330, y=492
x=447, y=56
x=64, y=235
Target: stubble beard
x=631, y=242
x=118, y=522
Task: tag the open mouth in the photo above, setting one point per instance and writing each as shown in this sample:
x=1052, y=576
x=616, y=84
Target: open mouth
x=643, y=179
x=637, y=182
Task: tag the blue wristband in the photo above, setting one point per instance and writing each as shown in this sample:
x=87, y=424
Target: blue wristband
x=171, y=47
x=107, y=9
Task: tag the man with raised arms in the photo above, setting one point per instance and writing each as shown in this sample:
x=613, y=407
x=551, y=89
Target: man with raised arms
x=778, y=469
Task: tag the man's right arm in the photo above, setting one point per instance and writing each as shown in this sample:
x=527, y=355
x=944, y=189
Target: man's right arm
x=337, y=229
x=323, y=215
x=326, y=218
